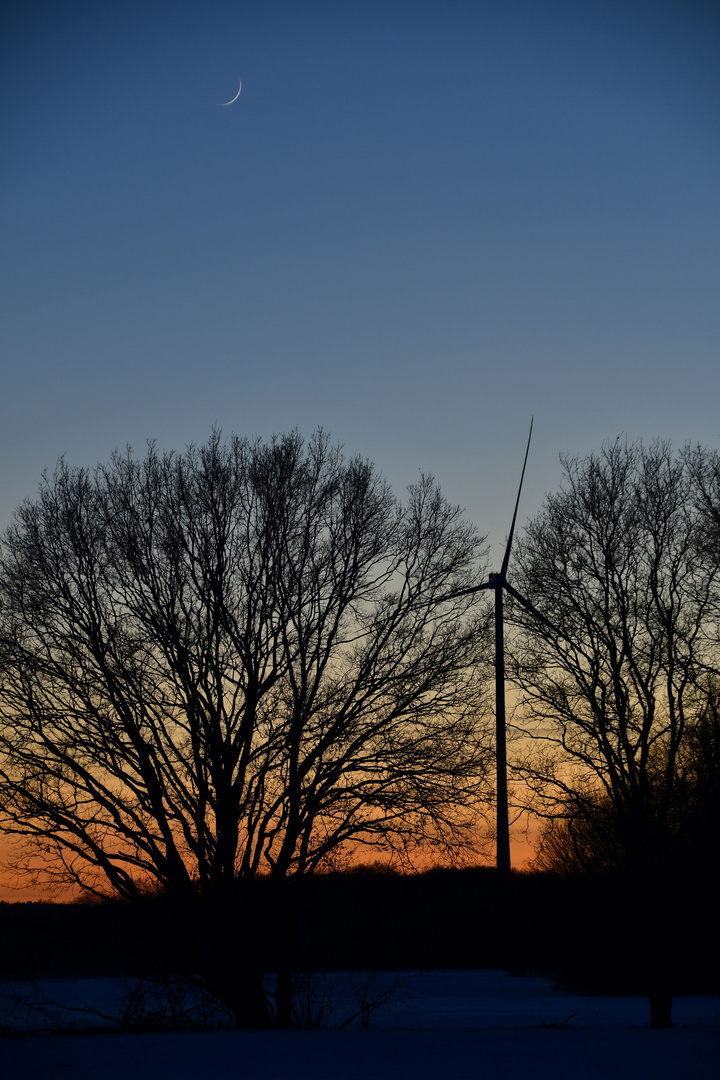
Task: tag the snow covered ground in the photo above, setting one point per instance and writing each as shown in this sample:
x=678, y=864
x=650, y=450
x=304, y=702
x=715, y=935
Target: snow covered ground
x=453, y=1024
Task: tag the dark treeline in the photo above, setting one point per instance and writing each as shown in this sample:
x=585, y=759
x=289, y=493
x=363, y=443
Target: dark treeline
x=581, y=929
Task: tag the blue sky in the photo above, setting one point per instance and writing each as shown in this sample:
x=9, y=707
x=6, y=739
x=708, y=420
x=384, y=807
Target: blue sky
x=420, y=224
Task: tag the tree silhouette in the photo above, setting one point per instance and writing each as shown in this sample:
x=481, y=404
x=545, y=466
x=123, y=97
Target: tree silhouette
x=221, y=668
x=614, y=561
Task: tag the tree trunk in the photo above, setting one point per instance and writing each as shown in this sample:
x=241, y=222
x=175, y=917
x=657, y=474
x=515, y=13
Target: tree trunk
x=286, y=898
x=661, y=920
x=660, y=1008
x=222, y=939
x=242, y=993
x=284, y=999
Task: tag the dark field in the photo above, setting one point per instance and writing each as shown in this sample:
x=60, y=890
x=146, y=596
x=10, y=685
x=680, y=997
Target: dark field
x=581, y=930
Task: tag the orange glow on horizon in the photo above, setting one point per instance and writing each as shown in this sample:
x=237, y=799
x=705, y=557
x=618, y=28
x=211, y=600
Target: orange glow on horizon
x=13, y=891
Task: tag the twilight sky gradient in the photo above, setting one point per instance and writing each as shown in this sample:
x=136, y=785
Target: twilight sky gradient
x=419, y=224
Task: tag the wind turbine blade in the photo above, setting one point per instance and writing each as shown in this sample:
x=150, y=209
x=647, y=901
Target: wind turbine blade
x=534, y=611
x=546, y=622
x=506, y=559
x=465, y=592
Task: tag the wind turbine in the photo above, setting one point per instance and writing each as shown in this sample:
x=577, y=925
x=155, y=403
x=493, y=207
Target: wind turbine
x=498, y=583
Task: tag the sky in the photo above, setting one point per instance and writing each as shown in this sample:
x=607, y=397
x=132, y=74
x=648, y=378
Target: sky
x=419, y=225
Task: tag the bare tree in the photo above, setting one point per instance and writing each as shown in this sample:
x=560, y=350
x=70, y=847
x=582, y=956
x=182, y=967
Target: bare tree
x=609, y=694
x=704, y=468
x=586, y=837
x=226, y=666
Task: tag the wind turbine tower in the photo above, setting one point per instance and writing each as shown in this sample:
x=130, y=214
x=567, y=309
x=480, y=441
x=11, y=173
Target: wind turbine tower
x=499, y=583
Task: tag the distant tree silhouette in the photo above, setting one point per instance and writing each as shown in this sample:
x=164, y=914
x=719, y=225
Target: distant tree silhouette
x=704, y=468
x=223, y=667
x=589, y=838
x=615, y=560
x=701, y=754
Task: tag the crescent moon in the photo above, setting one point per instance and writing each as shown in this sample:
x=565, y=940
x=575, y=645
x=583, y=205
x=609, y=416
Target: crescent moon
x=223, y=103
